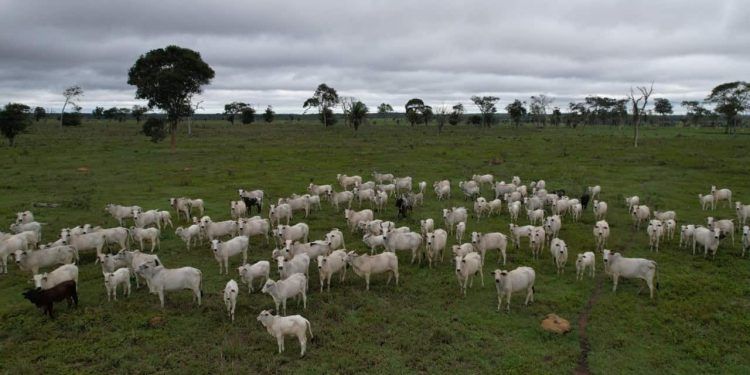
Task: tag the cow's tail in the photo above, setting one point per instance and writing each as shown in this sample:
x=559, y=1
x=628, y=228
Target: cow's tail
x=309, y=327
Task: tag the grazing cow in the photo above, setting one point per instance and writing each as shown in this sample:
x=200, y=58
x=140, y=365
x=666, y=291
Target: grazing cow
x=632, y=268
x=280, y=326
x=521, y=278
x=583, y=261
x=484, y=179
x=368, y=265
x=467, y=267
x=250, y=272
x=469, y=188
x=45, y=298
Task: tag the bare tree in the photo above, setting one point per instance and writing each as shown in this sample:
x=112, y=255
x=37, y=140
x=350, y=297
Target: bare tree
x=639, y=105
x=192, y=108
x=347, y=102
x=441, y=115
x=71, y=94
x=538, y=108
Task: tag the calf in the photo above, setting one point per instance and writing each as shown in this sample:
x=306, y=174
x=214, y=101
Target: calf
x=45, y=299
x=583, y=261
x=231, y=290
x=655, y=233
x=519, y=279
x=114, y=279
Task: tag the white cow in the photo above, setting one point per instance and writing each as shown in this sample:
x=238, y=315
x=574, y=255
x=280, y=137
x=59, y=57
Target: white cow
x=601, y=234
x=537, y=238
x=655, y=231
x=368, y=265
x=325, y=190
x=374, y=242
x=726, y=226
x=583, y=261
x=280, y=326
x=513, y=209
x=463, y=249
x=460, y=230
x=282, y=211
x=237, y=209
x=467, y=267
x=347, y=181
x=24, y=217
x=559, y=250
x=382, y=177
x=231, y=290
x=254, y=226
x=632, y=201
x=743, y=212
x=225, y=250
x=293, y=286
x=442, y=189
x=552, y=226
x=403, y=183
x=249, y=272
x=632, y=268
x=162, y=280
x=507, y=282
x=600, y=210
x=342, y=197
x=709, y=238
x=191, y=234
x=721, y=195
x=640, y=213
x=112, y=280
x=535, y=216
x=34, y=260
x=296, y=232
x=395, y=241
x=143, y=219
x=146, y=234
x=300, y=263
x=594, y=191
x=353, y=218
x=745, y=239
x=426, y=225
x=181, y=206
x=32, y=226
x=335, y=239
x=490, y=241
x=484, y=179
x=218, y=229
x=329, y=265
x=61, y=274
x=706, y=201
x=517, y=232
x=469, y=188
x=435, y=244
x=686, y=235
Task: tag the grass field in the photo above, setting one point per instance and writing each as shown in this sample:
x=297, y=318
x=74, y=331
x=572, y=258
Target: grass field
x=698, y=323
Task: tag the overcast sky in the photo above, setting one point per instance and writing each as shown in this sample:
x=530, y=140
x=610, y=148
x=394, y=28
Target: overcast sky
x=277, y=52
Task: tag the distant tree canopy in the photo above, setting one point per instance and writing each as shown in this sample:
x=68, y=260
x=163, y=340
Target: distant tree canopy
x=248, y=115
x=538, y=108
x=155, y=129
x=117, y=114
x=138, y=111
x=98, y=113
x=414, y=111
x=454, y=118
x=268, y=114
x=358, y=114
x=695, y=111
x=167, y=78
x=39, y=114
x=385, y=108
x=516, y=111
x=324, y=99
x=486, y=106
x=556, y=116
x=730, y=100
x=14, y=119
x=663, y=106
x=232, y=109
x=74, y=118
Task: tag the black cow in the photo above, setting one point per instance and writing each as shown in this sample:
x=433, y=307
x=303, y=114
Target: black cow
x=250, y=203
x=45, y=299
x=585, y=198
x=404, y=207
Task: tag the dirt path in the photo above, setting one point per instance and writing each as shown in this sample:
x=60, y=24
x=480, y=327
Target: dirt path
x=583, y=321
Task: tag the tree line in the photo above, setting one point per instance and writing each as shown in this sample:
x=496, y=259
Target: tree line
x=169, y=79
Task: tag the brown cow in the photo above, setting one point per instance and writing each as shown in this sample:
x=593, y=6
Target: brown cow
x=46, y=298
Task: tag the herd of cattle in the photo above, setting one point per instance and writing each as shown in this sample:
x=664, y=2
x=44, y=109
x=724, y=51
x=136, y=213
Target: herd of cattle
x=294, y=252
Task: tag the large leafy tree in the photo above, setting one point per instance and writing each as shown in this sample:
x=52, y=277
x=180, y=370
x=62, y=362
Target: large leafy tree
x=14, y=119
x=248, y=115
x=168, y=78
x=730, y=100
x=232, y=109
x=71, y=95
x=516, y=111
x=414, y=111
x=324, y=99
x=663, y=107
x=486, y=107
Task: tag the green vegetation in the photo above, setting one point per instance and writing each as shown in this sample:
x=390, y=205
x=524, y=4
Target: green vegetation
x=698, y=322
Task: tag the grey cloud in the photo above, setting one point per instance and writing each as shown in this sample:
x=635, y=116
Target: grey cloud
x=277, y=52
